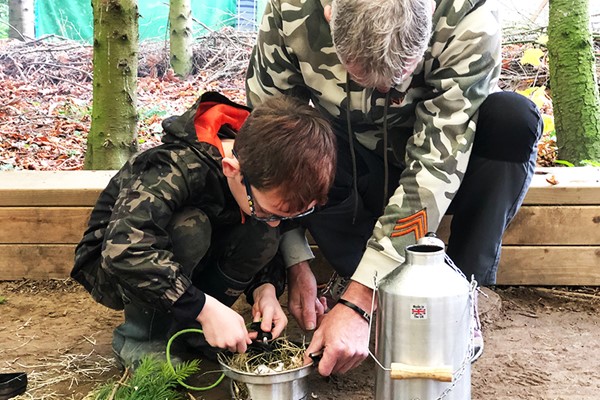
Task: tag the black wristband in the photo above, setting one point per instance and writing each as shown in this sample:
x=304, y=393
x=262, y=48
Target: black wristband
x=356, y=308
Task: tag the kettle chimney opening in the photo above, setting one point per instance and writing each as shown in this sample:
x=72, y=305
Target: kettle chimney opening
x=425, y=248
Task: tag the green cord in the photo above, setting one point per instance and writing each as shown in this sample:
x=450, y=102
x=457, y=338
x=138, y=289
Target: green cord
x=185, y=385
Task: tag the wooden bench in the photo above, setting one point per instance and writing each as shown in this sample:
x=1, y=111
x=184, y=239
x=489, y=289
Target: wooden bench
x=42, y=217
x=554, y=239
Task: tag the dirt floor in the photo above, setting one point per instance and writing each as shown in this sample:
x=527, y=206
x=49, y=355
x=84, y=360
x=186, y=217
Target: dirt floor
x=540, y=343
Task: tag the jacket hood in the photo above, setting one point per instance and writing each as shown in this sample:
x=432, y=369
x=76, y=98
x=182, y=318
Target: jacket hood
x=212, y=118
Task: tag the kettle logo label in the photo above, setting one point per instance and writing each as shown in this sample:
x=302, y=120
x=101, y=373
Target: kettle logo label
x=418, y=311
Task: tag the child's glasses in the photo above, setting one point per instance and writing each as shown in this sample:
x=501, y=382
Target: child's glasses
x=267, y=217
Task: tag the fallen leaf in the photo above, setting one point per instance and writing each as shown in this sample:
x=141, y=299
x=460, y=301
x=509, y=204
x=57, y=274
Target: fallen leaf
x=552, y=180
x=532, y=57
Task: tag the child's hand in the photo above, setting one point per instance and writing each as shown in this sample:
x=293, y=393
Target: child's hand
x=266, y=307
x=223, y=327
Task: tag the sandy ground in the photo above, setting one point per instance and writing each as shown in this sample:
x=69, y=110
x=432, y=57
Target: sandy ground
x=540, y=343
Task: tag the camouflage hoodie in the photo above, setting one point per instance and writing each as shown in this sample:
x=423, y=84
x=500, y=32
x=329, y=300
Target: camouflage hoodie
x=125, y=251
x=431, y=116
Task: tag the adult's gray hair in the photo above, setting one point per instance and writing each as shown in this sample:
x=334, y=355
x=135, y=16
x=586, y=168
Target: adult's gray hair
x=381, y=37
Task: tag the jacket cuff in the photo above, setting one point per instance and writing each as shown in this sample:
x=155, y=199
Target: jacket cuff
x=273, y=273
x=189, y=305
x=373, y=264
x=294, y=247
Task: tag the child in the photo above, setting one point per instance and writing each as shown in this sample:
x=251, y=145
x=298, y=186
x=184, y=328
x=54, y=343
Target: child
x=183, y=229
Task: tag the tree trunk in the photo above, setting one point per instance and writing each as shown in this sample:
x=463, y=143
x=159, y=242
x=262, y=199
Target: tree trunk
x=113, y=135
x=21, y=19
x=573, y=81
x=180, y=20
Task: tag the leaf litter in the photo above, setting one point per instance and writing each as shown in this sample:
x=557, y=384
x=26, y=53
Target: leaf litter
x=46, y=94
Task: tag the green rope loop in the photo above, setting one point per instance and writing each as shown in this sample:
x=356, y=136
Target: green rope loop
x=185, y=385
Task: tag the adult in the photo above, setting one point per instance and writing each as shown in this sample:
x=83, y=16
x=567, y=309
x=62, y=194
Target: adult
x=410, y=87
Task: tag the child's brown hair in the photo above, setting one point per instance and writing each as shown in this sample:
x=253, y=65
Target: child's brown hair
x=287, y=145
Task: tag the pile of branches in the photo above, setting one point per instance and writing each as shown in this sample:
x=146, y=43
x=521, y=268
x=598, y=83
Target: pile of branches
x=46, y=61
x=224, y=54
x=220, y=55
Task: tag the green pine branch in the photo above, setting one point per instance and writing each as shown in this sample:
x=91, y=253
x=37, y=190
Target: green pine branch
x=152, y=380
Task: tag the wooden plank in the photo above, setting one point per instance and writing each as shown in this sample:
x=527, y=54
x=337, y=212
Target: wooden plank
x=572, y=175
x=519, y=265
x=52, y=188
x=532, y=265
x=553, y=225
x=557, y=185
x=547, y=225
x=541, y=265
x=579, y=185
x=35, y=261
x=43, y=224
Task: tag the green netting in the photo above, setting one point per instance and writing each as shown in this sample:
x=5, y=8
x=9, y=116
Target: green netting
x=3, y=19
x=73, y=18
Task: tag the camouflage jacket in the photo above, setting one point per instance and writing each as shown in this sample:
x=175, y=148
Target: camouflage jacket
x=431, y=116
x=125, y=251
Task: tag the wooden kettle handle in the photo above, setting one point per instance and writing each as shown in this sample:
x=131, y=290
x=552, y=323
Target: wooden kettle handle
x=403, y=371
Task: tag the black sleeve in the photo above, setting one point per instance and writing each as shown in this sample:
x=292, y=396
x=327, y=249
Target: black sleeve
x=274, y=272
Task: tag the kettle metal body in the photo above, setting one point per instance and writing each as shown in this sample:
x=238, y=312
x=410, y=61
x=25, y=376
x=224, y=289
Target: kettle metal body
x=423, y=331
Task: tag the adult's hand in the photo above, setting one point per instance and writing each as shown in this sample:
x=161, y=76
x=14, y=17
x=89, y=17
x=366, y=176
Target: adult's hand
x=303, y=303
x=223, y=327
x=343, y=334
x=267, y=309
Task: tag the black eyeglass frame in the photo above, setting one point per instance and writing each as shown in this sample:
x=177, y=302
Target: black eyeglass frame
x=252, y=202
